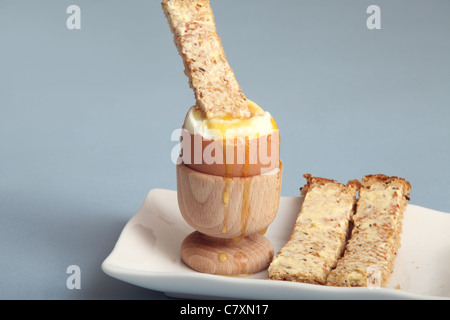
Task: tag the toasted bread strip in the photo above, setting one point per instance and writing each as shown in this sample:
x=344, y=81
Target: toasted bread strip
x=370, y=253
x=215, y=87
x=320, y=232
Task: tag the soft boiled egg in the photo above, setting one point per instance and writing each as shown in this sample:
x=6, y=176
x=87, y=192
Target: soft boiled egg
x=231, y=147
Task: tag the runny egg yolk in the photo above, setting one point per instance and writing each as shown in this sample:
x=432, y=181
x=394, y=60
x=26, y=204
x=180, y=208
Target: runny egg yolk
x=259, y=124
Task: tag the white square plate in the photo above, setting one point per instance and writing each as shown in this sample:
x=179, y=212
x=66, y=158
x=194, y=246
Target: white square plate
x=147, y=255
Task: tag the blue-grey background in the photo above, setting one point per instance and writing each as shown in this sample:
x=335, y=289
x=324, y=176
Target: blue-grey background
x=86, y=115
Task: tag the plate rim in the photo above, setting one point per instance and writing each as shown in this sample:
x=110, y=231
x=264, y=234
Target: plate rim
x=122, y=273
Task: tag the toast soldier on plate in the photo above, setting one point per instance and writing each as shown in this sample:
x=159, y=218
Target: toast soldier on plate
x=370, y=253
x=320, y=232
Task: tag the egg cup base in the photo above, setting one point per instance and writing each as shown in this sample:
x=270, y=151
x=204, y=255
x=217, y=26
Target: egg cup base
x=232, y=257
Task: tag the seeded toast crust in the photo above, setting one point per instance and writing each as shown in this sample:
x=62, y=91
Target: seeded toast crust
x=216, y=90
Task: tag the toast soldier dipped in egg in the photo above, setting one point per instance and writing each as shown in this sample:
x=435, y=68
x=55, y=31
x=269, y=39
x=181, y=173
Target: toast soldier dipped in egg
x=229, y=171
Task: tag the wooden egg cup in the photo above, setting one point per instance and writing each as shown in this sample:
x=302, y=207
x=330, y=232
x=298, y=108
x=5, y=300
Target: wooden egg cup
x=230, y=214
